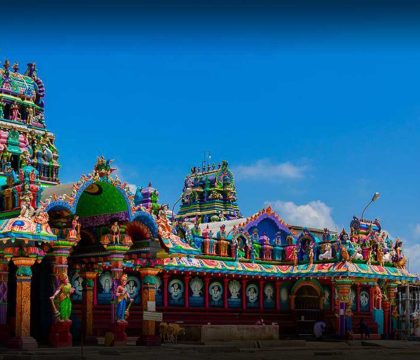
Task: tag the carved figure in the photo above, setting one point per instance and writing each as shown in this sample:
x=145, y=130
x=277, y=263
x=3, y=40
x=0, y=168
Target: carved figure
x=2, y=104
x=234, y=288
x=311, y=255
x=115, y=233
x=326, y=252
x=295, y=255
x=380, y=255
x=29, y=115
x=63, y=292
x=377, y=297
x=123, y=299
x=344, y=253
x=26, y=197
x=399, y=259
x=14, y=112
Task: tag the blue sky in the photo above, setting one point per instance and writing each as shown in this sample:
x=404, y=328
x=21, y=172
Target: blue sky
x=315, y=113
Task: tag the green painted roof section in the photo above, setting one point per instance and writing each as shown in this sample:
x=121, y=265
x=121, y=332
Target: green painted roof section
x=108, y=201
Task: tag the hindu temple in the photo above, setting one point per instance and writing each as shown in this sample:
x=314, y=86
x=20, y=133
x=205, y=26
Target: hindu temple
x=89, y=258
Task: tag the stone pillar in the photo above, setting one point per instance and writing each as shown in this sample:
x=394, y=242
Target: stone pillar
x=343, y=306
x=148, y=336
x=358, y=298
x=225, y=293
x=23, y=339
x=187, y=291
x=87, y=307
x=165, y=290
x=243, y=292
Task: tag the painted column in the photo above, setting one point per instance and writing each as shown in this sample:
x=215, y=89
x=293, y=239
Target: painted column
x=87, y=307
x=60, y=335
x=165, y=289
x=186, y=291
x=371, y=298
x=358, y=298
x=148, y=336
x=391, y=314
x=206, y=291
x=278, y=301
x=4, y=274
x=243, y=285
x=261, y=295
x=22, y=338
x=225, y=293
x=343, y=306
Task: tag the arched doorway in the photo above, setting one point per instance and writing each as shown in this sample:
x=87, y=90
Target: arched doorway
x=308, y=309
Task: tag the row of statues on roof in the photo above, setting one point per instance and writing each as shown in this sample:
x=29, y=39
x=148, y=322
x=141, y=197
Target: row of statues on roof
x=21, y=113
x=40, y=150
x=373, y=247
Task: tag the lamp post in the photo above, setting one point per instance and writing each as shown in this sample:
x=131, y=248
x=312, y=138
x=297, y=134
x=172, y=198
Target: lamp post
x=187, y=191
x=374, y=198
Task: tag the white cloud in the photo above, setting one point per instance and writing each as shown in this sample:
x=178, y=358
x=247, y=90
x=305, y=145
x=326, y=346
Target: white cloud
x=413, y=254
x=416, y=231
x=315, y=214
x=266, y=170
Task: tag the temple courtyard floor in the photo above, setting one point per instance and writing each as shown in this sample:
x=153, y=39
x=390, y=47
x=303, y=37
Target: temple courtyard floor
x=263, y=350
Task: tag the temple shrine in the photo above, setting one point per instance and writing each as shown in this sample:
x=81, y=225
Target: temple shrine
x=89, y=258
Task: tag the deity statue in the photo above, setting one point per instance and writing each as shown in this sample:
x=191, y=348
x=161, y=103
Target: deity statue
x=75, y=227
x=196, y=286
x=326, y=235
x=254, y=236
x=5, y=157
x=234, y=288
x=124, y=300
x=215, y=195
x=63, y=292
x=115, y=233
x=27, y=210
x=380, y=254
x=326, y=252
x=25, y=158
x=235, y=247
x=221, y=234
x=14, y=112
x=277, y=240
x=399, y=259
x=196, y=231
x=377, y=304
x=2, y=104
x=311, y=254
x=29, y=115
x=295, y=255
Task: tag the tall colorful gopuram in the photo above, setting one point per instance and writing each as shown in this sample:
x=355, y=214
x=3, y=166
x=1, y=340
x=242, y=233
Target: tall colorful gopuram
x=24, y=138
x=89, y=258
x=209, y=194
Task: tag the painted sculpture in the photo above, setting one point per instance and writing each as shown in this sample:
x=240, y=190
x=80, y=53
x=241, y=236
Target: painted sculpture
x=123, y=300
x=62, y=306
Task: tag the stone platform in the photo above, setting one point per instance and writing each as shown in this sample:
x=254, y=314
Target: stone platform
x=239, y=332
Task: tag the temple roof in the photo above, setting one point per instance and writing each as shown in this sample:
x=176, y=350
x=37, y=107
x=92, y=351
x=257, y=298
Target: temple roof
x=345, y=269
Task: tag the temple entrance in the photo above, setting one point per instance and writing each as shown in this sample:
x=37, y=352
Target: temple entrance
x=307, y=306
x=42, y=287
